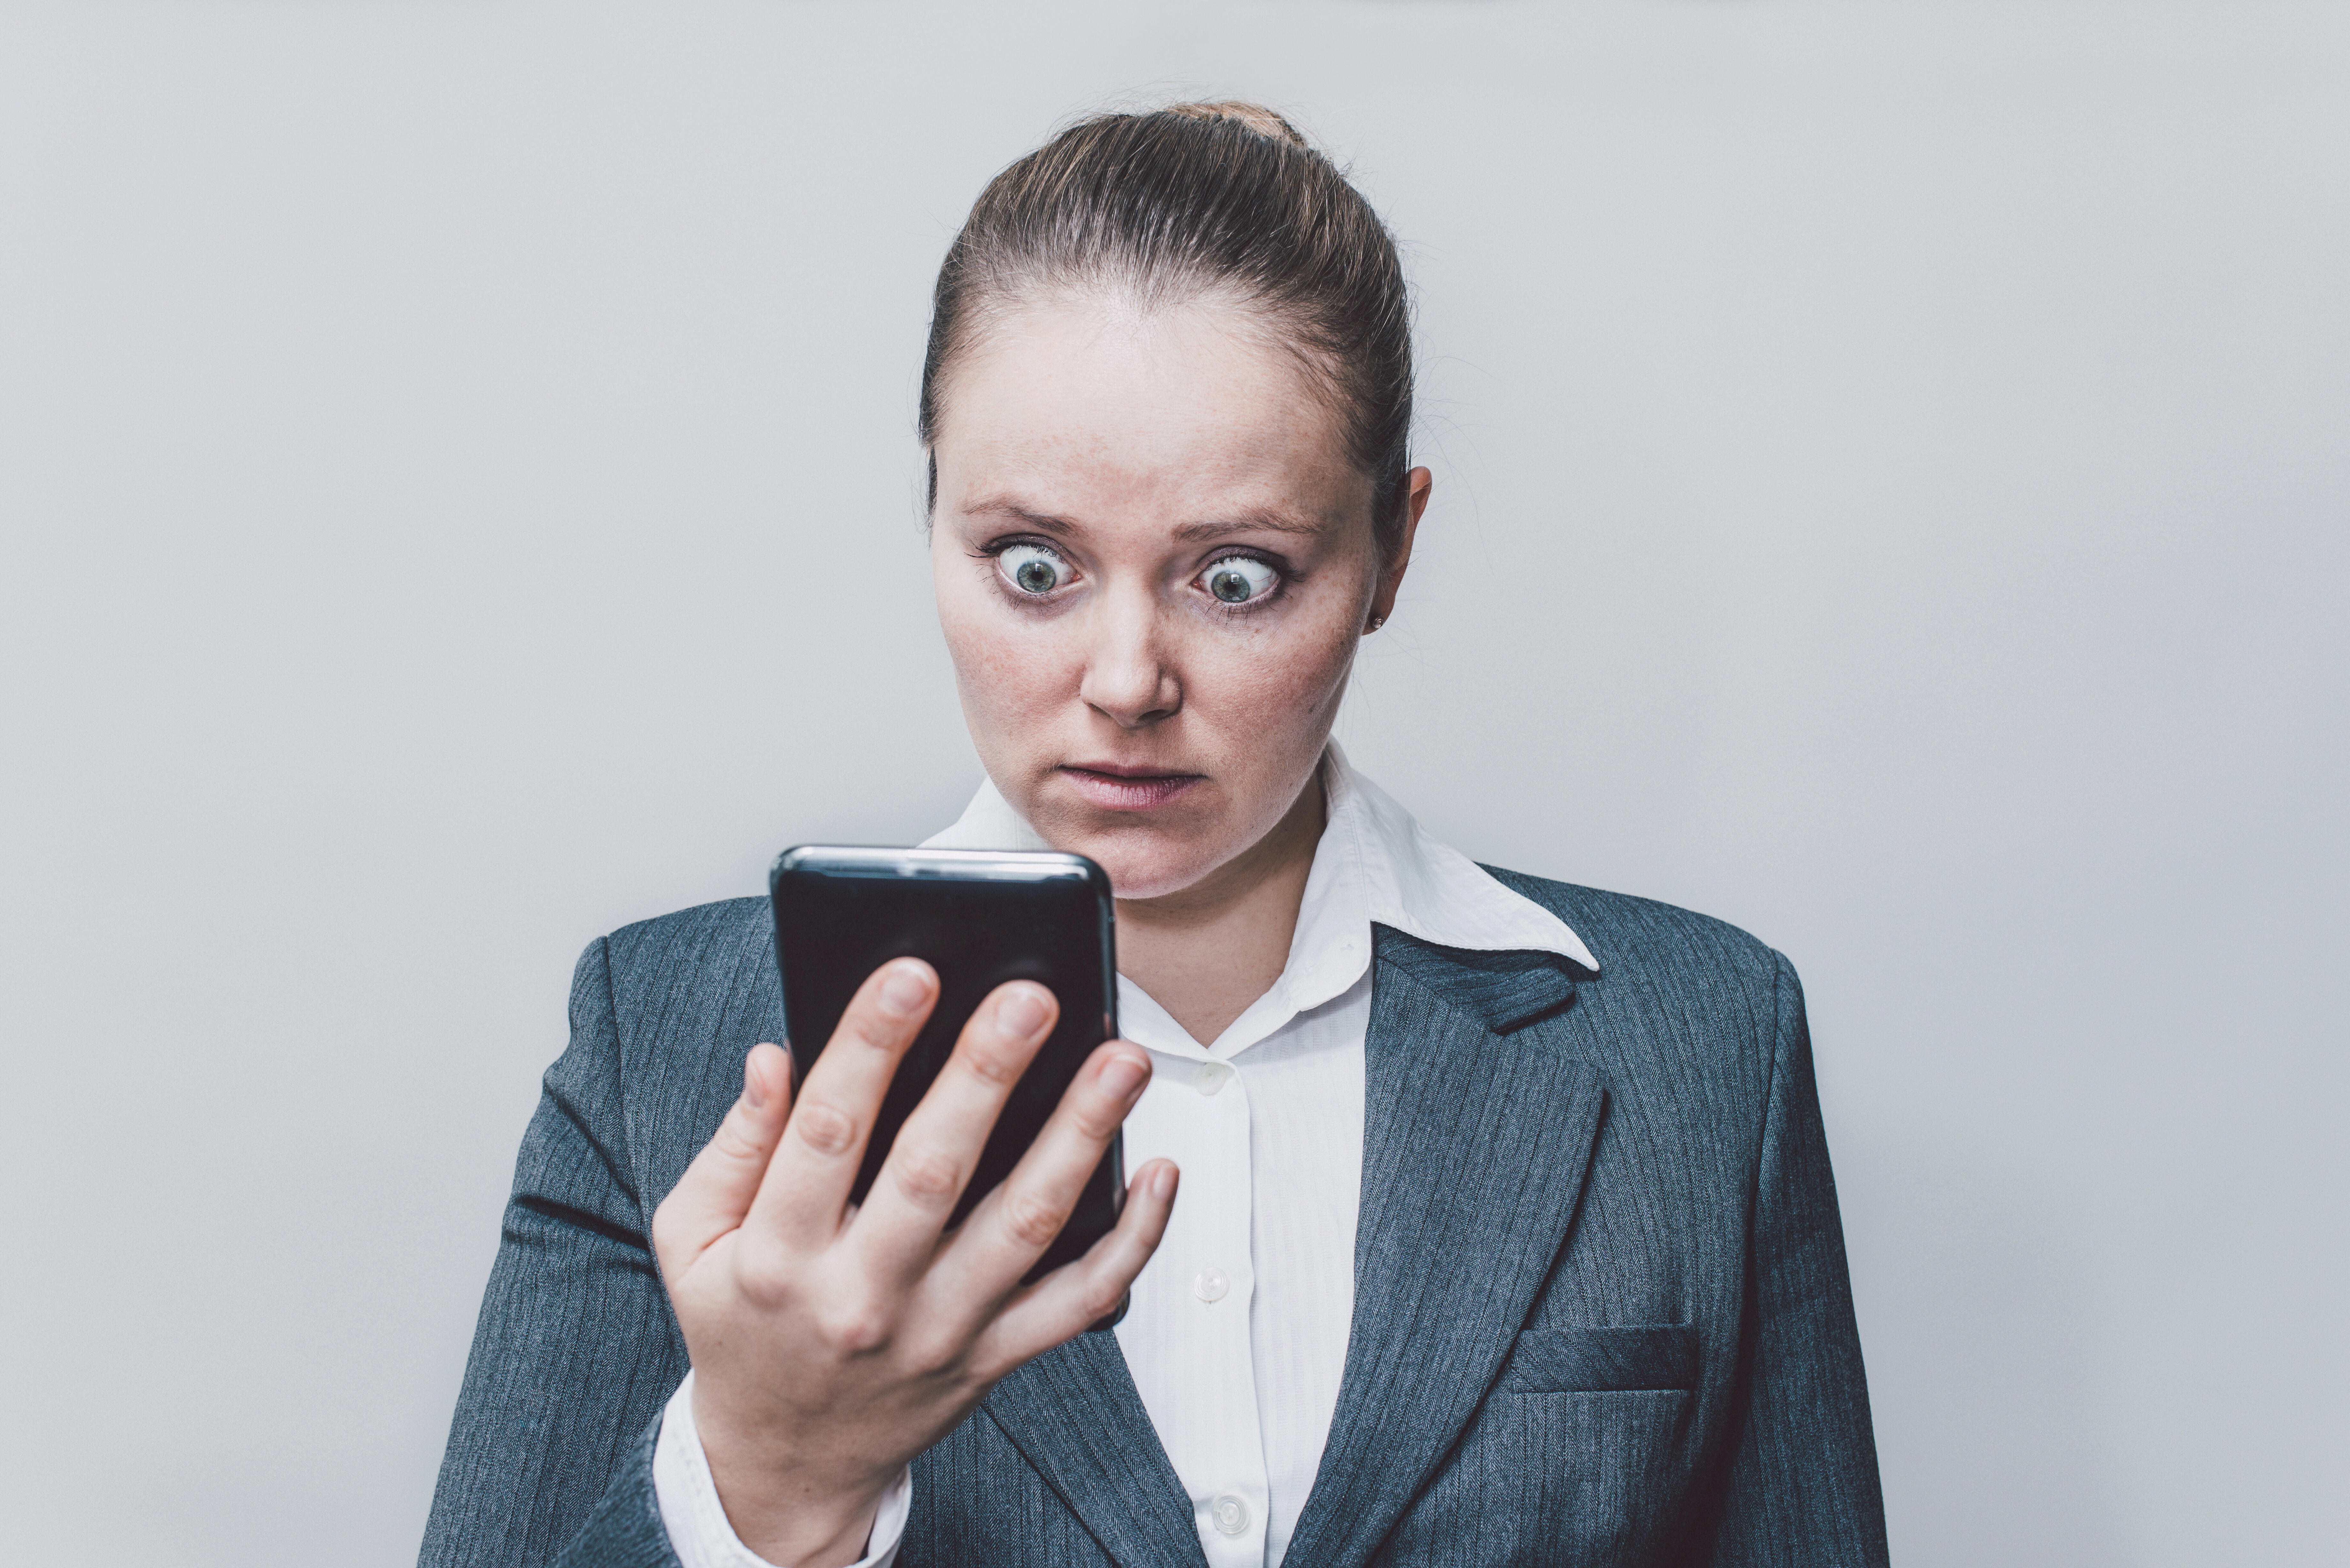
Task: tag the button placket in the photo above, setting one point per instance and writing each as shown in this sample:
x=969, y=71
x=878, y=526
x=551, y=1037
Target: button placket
x=1231, y=1515
x=1215, y=1278
x=1194, y=1300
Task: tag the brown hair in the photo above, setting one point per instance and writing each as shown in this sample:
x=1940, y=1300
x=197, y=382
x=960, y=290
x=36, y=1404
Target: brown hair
x=1189, y=202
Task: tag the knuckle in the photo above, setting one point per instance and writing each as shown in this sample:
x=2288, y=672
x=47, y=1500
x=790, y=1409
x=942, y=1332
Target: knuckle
x=928, y=1178
x=1094, y=1118
x=867, y=1028
x=932, y=1357
x=996, y=1061
x=765, y=1279
x=850, y=1323
x=1031, y=1219
x=733, y=1140
x=823, y=1128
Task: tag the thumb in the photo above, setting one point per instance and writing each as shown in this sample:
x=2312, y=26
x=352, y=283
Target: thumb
x=711, y=1198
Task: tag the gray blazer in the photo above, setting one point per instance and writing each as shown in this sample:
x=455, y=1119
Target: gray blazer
x=1601, y=1311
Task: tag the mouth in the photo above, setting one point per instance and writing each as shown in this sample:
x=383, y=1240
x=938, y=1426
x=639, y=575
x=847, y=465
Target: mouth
x=1114, y=787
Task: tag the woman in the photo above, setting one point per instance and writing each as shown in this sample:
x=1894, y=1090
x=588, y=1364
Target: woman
x=1507, y=1232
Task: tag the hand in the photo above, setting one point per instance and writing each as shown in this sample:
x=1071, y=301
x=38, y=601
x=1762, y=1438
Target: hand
x=832, y=1341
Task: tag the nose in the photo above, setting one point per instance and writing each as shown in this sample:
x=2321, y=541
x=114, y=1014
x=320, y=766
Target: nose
x=1129, y=678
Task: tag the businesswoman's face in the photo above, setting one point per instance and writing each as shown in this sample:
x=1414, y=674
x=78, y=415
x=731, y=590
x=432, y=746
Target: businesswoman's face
x=1154, y=561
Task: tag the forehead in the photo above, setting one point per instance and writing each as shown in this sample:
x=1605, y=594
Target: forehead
x=1092, y=403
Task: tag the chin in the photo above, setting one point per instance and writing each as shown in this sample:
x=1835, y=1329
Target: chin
x=1146, y=864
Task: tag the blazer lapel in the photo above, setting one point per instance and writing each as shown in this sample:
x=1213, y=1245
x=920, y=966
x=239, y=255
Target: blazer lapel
x=1477, y=1141
x=1074, y=1413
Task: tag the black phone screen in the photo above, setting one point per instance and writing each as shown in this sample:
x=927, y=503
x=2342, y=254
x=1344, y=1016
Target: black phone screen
x=979, y=918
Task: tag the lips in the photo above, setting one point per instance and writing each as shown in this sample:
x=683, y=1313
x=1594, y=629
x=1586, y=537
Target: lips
x=1114, y=787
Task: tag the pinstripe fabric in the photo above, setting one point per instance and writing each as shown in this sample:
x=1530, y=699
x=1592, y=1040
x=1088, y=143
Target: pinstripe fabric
x=624, y=1529
x=1474, y=1152
x=1601, y=1317
x=1076, y=1419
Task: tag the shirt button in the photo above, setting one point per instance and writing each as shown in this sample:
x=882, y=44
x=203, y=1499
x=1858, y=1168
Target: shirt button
x=1212, y=1286
x=1229, y=1515
x=1212, y=1076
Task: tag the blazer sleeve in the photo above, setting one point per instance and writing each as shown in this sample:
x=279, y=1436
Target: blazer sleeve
x=1801, y=1486
x=550, y=1456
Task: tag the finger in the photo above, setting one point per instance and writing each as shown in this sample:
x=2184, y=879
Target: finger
x=716, y=1190
x=939, y=1148
x=1011, y=1229
x=804, y=1197
x=1076, y=1295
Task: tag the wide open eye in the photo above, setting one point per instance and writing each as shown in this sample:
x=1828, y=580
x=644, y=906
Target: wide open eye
x=1237, y=579
x=1031, y=568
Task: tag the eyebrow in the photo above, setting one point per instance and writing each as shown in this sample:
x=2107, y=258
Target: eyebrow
x=1259, y=520
x=1005, y=507
x=1246, y=523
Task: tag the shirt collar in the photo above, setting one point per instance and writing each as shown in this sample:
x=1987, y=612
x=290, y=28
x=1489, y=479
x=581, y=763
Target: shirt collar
x=1375, y=865
x=1427, y=888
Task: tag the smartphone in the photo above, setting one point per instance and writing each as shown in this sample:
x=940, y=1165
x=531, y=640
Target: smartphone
x=979, y=918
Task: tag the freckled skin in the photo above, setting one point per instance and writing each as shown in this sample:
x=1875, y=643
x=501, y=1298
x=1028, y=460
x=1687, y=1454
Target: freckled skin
x=1101, y=434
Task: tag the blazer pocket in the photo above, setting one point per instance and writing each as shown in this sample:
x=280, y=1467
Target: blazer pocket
x=1599, y=1360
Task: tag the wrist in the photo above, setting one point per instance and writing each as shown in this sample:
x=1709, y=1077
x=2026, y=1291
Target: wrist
x=782, y=1499
x=806, y=1529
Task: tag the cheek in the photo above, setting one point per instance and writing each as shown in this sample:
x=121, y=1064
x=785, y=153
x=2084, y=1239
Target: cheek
x=1007, y=675
x=1274, y=695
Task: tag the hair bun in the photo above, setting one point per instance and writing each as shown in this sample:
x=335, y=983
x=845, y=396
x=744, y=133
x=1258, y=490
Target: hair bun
x=1255, y=115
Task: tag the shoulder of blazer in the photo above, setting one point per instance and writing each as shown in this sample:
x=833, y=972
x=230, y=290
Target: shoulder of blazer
x=1636, y=934
x=691, y=993
x=687, y=972
x=1669, y=973
x=649, y=952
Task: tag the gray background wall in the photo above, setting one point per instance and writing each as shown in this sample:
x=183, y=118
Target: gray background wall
x=1891, y=494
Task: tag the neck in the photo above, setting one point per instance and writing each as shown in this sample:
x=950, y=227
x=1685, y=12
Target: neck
x=1205, y=953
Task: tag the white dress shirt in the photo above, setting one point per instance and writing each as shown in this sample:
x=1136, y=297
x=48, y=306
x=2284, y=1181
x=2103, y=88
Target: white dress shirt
x=1237, y=1335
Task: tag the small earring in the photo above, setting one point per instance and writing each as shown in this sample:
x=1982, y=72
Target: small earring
x=1377, y=621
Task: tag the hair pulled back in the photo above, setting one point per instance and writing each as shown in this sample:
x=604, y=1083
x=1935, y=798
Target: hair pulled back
x=1221, y=201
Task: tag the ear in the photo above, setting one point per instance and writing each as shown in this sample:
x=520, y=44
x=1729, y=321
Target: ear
x=1416, y=486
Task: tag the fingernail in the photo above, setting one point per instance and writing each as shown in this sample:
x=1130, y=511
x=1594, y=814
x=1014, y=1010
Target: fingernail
x=1020, y=1015
x=751, y=1089
x=905, y=990
x=1162, y=1183
x=1123, y=1075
